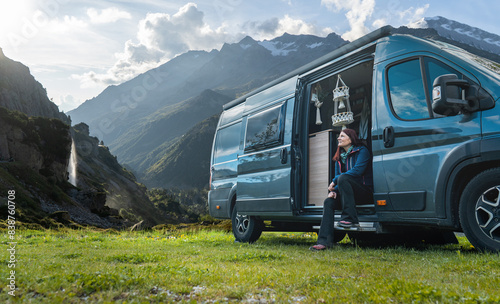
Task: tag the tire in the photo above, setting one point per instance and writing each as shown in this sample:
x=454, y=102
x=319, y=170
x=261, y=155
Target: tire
x=479, y=211
x=246, y=229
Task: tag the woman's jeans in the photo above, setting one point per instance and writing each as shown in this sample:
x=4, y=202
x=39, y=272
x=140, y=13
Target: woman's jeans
x=349, y=192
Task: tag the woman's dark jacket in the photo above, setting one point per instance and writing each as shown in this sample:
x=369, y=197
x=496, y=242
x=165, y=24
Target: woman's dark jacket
x=358, y=165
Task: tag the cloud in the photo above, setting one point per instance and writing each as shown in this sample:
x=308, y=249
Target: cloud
x=135, y=59
x=362, y=12
x=396, y=15
x=67, y=102
x=67, y=25
x=265, y=28
x=160, y=37
x=358, y=12
x=185, y=30
x=108, y=15
x=275, y=27
x=295, y=26
x=413, y=14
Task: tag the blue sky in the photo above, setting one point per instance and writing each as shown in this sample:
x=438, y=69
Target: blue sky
x=78, y=48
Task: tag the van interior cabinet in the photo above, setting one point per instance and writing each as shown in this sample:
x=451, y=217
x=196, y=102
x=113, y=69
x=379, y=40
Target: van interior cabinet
x=320, y=155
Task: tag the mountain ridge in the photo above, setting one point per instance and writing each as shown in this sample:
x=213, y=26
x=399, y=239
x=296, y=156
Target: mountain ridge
x=175, y=123
x=20, y=91
x=462, y=33
x=124, y=101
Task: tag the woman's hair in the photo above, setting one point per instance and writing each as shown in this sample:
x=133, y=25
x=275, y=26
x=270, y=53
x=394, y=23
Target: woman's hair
x=355, y=141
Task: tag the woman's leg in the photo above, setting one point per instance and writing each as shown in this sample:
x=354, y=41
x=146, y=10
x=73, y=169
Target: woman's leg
x=325, y=235
x=350, y=192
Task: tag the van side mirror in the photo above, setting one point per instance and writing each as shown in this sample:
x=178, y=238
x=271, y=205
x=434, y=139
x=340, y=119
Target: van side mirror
x=451, y=95
x=447, y=96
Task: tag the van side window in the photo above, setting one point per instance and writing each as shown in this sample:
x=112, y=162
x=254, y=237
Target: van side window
x=406, y=89
x=227, y=143
x=264, y=129
x=435, y=68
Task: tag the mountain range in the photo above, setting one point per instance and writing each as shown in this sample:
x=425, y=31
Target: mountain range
x=161, y=123
x=145, y=119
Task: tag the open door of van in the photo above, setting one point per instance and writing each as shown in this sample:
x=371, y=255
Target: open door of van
x=264, y=168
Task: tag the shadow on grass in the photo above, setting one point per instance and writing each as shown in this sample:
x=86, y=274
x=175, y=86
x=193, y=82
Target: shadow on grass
x=375, y=241
x=288, y=238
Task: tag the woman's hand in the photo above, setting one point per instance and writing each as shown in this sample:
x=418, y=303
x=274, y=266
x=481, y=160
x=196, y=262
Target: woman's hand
x=332, y=194
x=331, y=187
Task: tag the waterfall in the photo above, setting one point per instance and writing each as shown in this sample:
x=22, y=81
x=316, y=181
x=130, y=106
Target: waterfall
x=72, y=164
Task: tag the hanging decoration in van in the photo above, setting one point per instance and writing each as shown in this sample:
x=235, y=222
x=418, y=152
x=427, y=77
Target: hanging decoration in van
x=315, y=98
x=342, y=108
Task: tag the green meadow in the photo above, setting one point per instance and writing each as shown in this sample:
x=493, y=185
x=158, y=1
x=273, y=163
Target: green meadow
x=206, y=266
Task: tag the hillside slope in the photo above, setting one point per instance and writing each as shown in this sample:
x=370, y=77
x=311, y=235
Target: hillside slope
x=98, y=171
x=191, y=154
x=144, y=145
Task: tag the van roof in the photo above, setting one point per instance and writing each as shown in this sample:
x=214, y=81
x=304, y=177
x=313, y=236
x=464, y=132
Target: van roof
x=371, y=37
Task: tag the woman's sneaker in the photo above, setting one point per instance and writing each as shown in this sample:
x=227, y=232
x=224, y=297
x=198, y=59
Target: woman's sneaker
x=318, y=247
x=347, y=224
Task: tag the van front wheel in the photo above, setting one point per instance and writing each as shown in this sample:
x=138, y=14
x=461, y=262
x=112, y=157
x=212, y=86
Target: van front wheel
x=246, y=229
x=480, y=210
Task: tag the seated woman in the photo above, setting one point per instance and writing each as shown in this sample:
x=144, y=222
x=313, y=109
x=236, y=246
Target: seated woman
x=353, y=182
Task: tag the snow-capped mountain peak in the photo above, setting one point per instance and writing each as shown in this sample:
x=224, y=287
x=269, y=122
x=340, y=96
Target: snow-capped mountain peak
x=460, y=32
x=278, y=48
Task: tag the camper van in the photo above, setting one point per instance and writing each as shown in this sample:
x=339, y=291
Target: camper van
x=428, y=113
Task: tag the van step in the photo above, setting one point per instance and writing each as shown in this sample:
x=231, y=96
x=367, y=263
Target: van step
x=366, y=206
x=363, y=227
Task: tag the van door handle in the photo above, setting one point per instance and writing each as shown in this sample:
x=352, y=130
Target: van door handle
x=389, y=137
x=284, y=155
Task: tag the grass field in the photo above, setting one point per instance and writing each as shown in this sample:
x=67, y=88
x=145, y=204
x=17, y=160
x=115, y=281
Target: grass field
x=88, y=266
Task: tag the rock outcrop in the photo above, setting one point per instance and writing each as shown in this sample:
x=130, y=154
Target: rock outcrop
x=41, y=144
x=105, y=186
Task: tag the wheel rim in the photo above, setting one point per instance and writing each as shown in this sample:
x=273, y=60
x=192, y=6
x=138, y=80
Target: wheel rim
x=488, y=213
x=242, y=223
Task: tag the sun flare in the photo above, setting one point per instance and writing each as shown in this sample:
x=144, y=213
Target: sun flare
x=13, y=14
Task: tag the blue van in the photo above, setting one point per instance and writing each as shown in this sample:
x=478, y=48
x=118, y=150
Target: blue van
x=427, y=111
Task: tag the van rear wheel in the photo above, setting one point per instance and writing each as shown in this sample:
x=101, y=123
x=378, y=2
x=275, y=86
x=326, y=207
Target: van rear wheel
x=246, y=229
x=480, y=210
